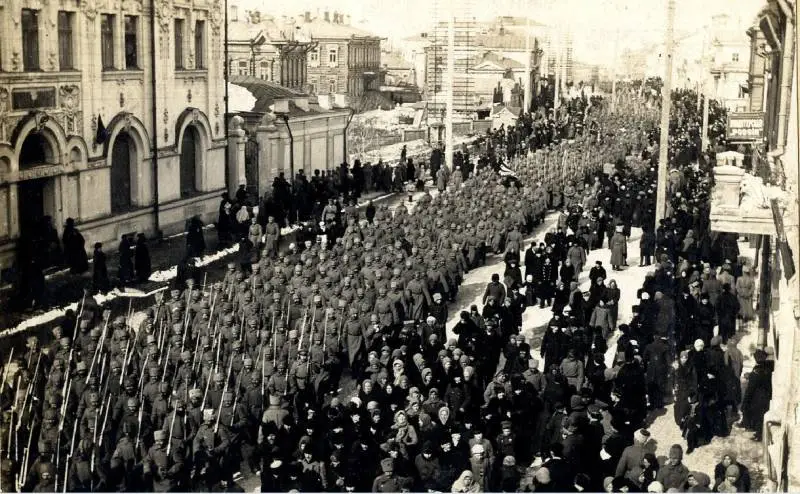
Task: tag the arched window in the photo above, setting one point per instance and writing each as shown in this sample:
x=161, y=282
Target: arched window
x=122, y=156
x=190, y=153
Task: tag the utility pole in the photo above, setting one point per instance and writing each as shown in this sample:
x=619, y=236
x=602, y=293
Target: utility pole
x=666, y=103
x=704, y=87
x=614, y=73
x=557, y=90
x=451, y=58
x=528, y=78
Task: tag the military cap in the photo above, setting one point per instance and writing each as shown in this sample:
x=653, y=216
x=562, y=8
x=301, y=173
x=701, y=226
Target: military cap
x=208, y=414
x=159, y=435
x=195, y=393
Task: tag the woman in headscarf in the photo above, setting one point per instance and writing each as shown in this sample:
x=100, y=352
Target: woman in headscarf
x=465, y=483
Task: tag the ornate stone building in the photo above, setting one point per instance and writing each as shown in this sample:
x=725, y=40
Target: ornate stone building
x=110, y=114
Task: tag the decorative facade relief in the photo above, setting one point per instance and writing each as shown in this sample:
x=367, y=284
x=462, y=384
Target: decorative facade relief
x=216, y=17
x=69, y=96
x=5, y=106
x=90, y=8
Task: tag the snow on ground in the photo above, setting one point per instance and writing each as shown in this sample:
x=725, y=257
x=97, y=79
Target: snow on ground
x=415, y=148
x=662, y=423
x=161, y=276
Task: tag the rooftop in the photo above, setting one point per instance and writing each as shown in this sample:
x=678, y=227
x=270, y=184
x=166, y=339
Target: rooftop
x=394, y=60
x=498, y=108
x=498, y=60
x=265, y=92
x=319, y=28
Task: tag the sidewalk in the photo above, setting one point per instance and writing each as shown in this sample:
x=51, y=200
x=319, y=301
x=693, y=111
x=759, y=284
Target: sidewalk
x=64, y=289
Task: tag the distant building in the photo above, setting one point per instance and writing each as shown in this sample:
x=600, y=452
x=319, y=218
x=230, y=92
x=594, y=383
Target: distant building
x=398, y=71
x=485, y=51
x=730, y=62
x=99, y=124
x=289, y=131
x=491, y=68
x=504, y=115
x=345, y=59
x=268, y=48
x=413, y=50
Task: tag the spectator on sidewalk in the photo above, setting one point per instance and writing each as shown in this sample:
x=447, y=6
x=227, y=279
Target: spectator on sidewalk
x=126, y=254
x=100, y=280
x=142, y=259
x=757, y=395
x=74, y=248
x=195, y=241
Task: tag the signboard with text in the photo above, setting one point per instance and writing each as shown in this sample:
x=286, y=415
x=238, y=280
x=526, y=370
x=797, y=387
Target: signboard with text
x=745, y=127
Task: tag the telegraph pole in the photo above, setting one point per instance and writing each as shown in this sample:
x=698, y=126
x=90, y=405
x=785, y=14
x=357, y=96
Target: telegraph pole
x=704, y=87
x=557, y=91
x=528, y=78
x=666, y=103
x=614, y=74
x=451, y=58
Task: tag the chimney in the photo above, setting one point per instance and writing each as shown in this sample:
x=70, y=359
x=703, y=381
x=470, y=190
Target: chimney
x=307, y=16
x=327, y=16
x=280, y=106
x=234, y=13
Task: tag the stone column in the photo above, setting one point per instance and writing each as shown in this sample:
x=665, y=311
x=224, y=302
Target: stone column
x=728, y=181
x=270, y=161
x=237, y=138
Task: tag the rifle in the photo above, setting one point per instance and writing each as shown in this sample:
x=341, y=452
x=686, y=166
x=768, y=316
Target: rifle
x=205, y=393
x=27, y=454
x=100, y=344
x=139, y=427
x=172, y=425
x=224, y=390
x=61, y=423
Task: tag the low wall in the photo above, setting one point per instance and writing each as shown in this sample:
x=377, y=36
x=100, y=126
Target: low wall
x=459, y=128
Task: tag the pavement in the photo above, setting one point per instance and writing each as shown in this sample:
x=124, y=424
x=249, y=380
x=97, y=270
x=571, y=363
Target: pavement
x=65, y=290
x=661, y=423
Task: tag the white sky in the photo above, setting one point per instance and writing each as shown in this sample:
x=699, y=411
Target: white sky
x=594, y=23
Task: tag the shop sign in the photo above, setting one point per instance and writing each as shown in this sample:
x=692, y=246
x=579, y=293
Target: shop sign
x=745, y=127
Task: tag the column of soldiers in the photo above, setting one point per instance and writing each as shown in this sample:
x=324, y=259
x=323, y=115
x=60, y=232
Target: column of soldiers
x=181, y=402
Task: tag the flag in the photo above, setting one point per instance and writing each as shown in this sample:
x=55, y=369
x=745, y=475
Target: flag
x=102, y=133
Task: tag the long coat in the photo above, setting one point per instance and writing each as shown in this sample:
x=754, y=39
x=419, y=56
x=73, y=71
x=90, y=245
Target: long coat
x=745, y=287
x=75, y=250
x=619, y=249
x=757, y=396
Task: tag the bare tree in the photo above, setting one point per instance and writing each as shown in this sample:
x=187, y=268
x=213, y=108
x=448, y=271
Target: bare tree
x=362, y=135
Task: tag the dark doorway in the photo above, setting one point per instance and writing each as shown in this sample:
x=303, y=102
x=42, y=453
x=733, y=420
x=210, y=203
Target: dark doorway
x=30, y=195
x=35, y=151
x=251, y=166
x=121, y=159
x=189, y=155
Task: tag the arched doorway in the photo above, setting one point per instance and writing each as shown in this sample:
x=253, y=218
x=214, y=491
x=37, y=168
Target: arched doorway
x=123, y=154
x=190, y=153
x=35, y=197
